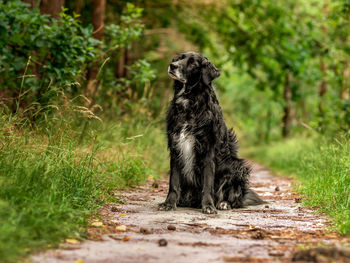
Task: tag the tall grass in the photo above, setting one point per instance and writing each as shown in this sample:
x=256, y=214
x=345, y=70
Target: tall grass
x=50, y=185
x=322, y=166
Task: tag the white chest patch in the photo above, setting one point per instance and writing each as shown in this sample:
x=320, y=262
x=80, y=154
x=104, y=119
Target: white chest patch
x=182, y=101
x=185, y=144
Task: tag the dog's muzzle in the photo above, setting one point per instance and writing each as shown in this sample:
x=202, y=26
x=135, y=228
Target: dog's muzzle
x=175, y=73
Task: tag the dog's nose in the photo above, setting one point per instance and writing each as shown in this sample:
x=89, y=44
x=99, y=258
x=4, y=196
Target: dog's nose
x=173, y=66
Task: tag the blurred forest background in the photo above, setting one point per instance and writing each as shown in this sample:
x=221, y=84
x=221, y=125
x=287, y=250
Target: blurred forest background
x=285, y=65
x=84, y=89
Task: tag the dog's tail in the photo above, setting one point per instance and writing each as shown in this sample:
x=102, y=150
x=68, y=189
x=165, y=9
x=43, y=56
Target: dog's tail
x=252, y=198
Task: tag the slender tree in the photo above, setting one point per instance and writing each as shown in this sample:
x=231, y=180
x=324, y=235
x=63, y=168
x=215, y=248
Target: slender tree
x=51, y=7
x=98, y=15
x=78, y=6
x=287, y=96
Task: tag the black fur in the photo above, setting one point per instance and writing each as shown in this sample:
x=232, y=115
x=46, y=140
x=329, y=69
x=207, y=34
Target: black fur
x=205, y=170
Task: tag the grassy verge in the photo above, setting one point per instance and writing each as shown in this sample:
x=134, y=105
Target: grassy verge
x=50, y=185
x=323, y=167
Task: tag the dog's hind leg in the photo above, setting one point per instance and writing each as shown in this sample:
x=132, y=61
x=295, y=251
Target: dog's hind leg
x=174, y=189
x=220, y=203
x=235, y=197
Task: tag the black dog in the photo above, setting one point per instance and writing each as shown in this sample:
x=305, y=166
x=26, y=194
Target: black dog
x=204, y=168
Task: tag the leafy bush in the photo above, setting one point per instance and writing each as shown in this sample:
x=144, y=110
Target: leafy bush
x=129, y=29
x=118, y=93
x=48, y=54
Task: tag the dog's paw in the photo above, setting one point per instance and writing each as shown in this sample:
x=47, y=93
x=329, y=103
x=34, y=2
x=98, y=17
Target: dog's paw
x=166, y=207
x=209, y=209
x=223, y=205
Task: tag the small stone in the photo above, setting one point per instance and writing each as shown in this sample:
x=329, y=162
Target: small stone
x=114, y=209
x=297, y=200
x=162, y=242
x=258, y=235
x=277, y=188
x=171, y=227
x=145, y=230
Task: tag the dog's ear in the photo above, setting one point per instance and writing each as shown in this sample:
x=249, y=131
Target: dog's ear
x=209, y=71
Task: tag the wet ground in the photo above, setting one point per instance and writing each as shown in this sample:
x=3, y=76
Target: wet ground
x=280, y=231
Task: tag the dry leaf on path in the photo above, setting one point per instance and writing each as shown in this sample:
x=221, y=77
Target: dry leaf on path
x=126, y=238
x=72, y=241
x=97, y=223
x=120, y=228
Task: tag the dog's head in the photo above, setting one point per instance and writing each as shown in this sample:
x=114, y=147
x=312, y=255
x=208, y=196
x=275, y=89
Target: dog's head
x=191, y=67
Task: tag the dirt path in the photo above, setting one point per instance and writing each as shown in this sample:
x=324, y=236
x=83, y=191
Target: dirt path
x=265, y=233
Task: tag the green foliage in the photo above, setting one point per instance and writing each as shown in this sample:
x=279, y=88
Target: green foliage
x=268, y=40
x=129, y=29
x=322, y=167
x=119, y=94
x=52, y=54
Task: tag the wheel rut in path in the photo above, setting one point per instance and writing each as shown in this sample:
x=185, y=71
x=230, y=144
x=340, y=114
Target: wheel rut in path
x=275, y=232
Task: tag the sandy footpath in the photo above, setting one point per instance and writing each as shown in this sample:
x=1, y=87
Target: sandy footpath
x=275, y=232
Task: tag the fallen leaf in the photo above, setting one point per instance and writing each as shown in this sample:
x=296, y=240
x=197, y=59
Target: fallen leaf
x=122, y=214
x=120, y=228
x=126, y=238
x=72, y=241
x=150, y=177
x=79, y=261
x=97, y=223
x=253, y=228
x=116, y=236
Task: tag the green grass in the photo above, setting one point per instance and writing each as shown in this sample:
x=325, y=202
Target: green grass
x=50, y=186
x=322, y=166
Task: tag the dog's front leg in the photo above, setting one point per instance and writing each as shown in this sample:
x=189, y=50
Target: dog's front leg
x=174, y=189
x=208, y=185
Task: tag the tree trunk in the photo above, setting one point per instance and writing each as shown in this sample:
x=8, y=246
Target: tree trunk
x=78, y=6
x=322, y=92
x=287, y=96
x=345, y=83
x=128, y=62
x=98, y=15
x=120, y=70
x=51, y=7
x=303, y=109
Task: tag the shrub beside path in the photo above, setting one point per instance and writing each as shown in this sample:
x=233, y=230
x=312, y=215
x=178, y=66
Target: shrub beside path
x=280, y=231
